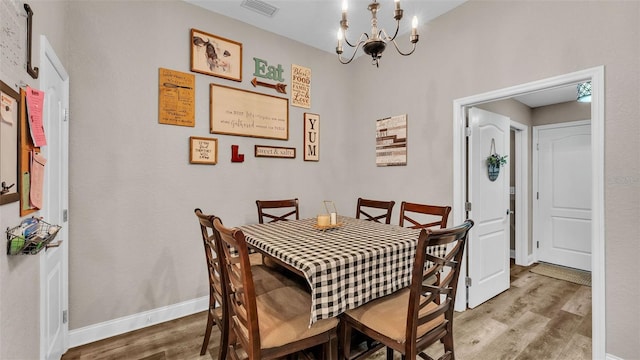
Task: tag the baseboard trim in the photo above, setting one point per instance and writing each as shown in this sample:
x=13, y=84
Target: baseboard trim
x=611, y=357
x=137, y=321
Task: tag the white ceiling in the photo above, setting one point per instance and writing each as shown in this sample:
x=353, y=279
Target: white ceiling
x=549, y=96
x=316, y=22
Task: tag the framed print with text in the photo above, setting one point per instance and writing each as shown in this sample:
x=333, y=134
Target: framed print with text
x=311, y=137
x=203, y=150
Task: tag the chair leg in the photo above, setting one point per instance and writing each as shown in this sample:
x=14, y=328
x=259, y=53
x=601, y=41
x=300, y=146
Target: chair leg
x=207, y=334
x=389, y=353
x=345, y=339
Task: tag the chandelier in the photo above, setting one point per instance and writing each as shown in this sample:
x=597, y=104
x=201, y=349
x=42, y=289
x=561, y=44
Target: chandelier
x=375, y=43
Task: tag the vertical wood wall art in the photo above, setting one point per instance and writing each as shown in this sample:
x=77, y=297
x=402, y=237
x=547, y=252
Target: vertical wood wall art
x=311, y=146
x=391, y=141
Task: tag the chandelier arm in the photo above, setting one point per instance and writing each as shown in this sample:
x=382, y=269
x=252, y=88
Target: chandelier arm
x=361, y=40
x=352, y=55
x=400, y=51
x=396, y=33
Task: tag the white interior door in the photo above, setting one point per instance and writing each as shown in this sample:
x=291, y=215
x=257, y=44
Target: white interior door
x=489, y=239
x=54, y=326
x=563, y=222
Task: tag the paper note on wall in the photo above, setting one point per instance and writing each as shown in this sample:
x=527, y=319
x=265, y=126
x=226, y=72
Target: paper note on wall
x=35, y=102
x=37, y=179
x=25, y=190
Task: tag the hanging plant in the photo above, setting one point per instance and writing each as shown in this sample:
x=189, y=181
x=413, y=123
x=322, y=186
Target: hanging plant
x=495, y=162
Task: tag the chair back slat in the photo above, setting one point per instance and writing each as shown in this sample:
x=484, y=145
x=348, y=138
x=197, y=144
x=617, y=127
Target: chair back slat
x=423, y=216
x=243, y=308
x=370, y=210
x=278, y=210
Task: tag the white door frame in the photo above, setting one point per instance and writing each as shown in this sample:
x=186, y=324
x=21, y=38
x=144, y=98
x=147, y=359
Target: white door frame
x=522, y=191
x=47, y=53
x=596, y=76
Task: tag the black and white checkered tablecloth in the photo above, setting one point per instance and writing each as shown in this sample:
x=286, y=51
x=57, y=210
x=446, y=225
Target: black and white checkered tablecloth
x=345, y=267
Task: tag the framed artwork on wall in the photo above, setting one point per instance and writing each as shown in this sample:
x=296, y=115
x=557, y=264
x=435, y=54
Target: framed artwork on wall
x=215, y=55
x=10, y=112
x=311, y=137
x=247, y=113
x=275, y=152
x=203, y=150
x=391, y=141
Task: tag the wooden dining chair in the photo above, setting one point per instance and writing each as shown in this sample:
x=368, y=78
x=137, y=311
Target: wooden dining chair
x=410, y=320
x=368, y=207
x=274, y=324
x=422, y=216
x=286, y=209
x=265, y=278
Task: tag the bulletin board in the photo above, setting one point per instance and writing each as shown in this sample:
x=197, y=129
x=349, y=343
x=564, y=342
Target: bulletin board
x=26, y=147
x=9, y=115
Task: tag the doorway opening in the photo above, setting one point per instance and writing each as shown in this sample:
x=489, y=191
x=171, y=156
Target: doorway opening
x=596, y=76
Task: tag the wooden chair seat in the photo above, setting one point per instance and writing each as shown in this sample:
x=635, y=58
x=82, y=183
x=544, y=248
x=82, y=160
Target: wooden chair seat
x=388, y=316
x=284, y=318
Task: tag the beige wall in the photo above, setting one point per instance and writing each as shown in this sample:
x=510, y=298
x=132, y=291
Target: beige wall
x=488, y=45
x=133, y=237
x=19, y=275
x=564, y=112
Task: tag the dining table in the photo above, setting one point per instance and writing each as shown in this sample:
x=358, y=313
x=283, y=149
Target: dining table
x=346, y=265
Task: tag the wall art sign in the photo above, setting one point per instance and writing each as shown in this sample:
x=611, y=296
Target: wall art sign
x=311, y=137
x=300, y=86
x=215, y=55
x=391, y=141
x=176, y=98
x=275, y=152
x=203, y=150
x=247, y=113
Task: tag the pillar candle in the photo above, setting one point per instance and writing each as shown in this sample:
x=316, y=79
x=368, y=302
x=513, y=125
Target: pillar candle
x=324, y=220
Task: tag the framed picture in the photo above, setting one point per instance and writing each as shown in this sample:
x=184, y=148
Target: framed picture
x=247, y=113
x=275, y=152
x=10, y=114
x=203, y=150
x=176, y=98
x=391, y=141
x=215, y=55
x=311, y=137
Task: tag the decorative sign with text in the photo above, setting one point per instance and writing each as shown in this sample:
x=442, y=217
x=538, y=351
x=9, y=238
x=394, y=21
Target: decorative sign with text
x=300, y=86
x=391, y=141
x=311, y=137
x=203, y=150
x=247, y=113
x=176, y=98
x=275, y=152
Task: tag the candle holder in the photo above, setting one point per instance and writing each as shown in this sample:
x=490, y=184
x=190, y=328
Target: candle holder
x=329, y=219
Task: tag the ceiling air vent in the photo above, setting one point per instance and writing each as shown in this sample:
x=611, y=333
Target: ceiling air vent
x=260, y=7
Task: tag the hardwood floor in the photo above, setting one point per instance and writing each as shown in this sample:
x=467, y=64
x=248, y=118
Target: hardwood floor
x=537, y=318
